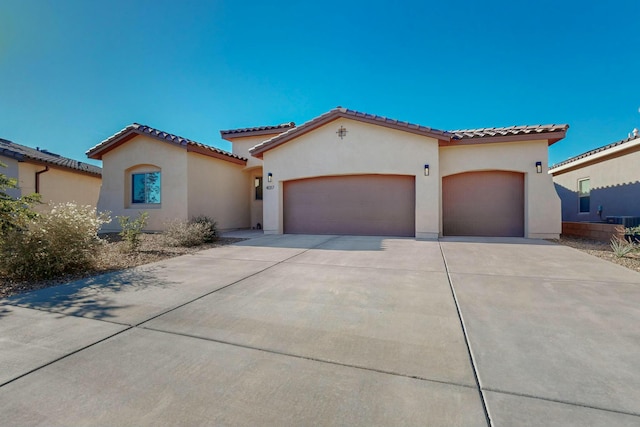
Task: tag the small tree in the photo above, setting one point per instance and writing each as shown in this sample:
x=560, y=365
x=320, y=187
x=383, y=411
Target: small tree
x=14, y=212
x=131, y=230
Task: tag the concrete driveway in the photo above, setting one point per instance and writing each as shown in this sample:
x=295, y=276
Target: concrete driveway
x=332, y=330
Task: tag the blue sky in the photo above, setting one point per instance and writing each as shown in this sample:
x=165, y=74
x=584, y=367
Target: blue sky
x=72, y=73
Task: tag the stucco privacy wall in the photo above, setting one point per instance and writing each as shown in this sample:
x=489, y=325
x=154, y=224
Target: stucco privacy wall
x=615, y=185
x=542, y=204
x=218, y=189
x=11, y=170
x=59, y=185
x=366, y=149
x=144, y=154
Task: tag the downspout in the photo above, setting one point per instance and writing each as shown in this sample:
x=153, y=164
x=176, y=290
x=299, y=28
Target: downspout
x=46, y=169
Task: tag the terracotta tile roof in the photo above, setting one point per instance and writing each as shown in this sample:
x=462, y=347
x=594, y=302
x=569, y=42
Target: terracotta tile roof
x=258, y=130
x=138, y=129
x=445, y=137
x=507, y=131
x=24, y=153
x=595, y=151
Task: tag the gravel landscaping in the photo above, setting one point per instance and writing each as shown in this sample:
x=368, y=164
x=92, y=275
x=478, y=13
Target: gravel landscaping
x=602, y=250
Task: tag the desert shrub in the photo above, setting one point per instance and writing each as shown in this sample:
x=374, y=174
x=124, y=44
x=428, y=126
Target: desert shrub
x=211, y=234
x=633, y=231
x=132, y=229
x=187, y=234
x=622, y=247
x=61, y=241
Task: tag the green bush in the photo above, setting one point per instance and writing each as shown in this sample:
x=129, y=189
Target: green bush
x=131, y=230
x=61, y=241
x=183, y=233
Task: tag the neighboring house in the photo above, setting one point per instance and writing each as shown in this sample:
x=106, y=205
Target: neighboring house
x=343, y=172
x=601, y=184
x=57, y=179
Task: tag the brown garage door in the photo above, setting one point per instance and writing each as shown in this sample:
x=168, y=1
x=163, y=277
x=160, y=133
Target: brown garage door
x=366, y=205
x=488, y=203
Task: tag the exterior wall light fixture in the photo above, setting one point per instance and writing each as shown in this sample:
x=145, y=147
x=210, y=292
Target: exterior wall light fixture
x=426, y=170
x=269, y=177
x=539, y=167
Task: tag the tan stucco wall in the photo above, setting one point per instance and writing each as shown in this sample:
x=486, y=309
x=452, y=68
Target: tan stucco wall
x=59, y=185
x=241, y=146
x=144, y=154
x=542, y=204
x=11, y=170
x=615, y=185
x=218, y=189
x=366, y=149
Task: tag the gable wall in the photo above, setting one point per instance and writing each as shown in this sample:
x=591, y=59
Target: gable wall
x=615, y=185
x=366, y=149
x=116, y=170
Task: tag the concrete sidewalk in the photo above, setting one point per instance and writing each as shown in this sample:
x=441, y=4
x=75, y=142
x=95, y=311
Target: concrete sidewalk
x=332, y=330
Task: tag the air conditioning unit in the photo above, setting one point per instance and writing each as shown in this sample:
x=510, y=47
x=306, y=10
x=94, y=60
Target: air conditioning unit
x=625, y=221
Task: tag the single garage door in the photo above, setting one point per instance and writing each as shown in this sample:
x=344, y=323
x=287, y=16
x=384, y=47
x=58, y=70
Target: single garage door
x=366, y=205
x=487, y=203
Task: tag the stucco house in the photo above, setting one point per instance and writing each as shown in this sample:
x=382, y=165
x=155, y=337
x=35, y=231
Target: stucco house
x=343, y=172
x=56, y=178
x=601, y=184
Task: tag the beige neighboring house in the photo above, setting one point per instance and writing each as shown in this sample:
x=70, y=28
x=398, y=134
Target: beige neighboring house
x=57, y=179
x=343, y=172
x=602, y=184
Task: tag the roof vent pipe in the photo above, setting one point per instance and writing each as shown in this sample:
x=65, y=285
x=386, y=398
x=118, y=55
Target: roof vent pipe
x=635, y=132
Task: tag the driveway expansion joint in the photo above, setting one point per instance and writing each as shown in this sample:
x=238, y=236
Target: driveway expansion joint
x=64, y=356
x=312, y=359
x=560, y=401
x=466, y=339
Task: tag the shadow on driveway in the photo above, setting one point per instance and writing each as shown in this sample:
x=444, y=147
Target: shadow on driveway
x=89, y=297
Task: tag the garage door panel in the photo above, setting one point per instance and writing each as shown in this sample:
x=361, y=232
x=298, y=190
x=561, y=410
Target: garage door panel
x=487, y=203
x=382, y=205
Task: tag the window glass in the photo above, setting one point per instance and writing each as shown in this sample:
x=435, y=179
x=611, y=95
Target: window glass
x=145, y=187
x=258, y=185
x=584, y=195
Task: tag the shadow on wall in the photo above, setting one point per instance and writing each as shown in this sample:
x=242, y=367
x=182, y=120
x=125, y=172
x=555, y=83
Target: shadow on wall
x=616, y=200
x=89, y=297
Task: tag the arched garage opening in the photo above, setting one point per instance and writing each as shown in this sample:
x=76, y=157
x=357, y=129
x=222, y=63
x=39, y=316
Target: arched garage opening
x=365, y=205
x=483, y=203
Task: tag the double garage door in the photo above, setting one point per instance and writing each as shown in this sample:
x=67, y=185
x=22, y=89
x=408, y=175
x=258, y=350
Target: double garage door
x=487, y=203
x=374, y=205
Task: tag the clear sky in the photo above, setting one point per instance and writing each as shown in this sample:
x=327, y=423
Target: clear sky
x=72, y=73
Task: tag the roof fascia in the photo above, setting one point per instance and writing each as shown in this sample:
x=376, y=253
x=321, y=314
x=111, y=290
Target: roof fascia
x=550, y=137
x=97, y=152
x=234, y=135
